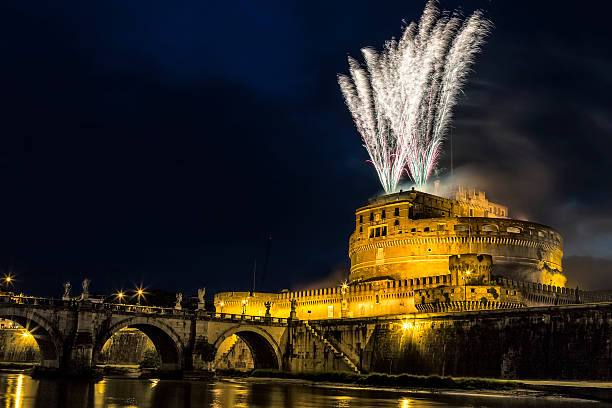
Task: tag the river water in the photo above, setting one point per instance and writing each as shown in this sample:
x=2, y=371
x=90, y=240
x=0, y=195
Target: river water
x=18, y=390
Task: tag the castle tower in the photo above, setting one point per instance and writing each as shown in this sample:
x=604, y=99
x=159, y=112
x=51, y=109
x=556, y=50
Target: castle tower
x=413, y=234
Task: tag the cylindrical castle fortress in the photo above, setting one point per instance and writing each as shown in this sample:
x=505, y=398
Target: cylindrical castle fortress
x=412, y=234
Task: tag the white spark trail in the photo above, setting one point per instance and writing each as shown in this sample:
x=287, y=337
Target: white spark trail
x=402, y=99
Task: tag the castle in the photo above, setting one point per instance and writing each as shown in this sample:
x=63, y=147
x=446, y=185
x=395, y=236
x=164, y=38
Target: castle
x=417, y=252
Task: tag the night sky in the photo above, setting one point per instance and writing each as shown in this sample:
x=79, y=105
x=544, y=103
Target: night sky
x=163, y=142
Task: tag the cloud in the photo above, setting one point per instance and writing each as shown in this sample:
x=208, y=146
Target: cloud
x=588, y=273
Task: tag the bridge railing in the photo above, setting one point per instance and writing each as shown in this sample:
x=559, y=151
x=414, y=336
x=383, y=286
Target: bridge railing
x=99, y=305
x=120, y=307
x=33, y=300
x=241, y=317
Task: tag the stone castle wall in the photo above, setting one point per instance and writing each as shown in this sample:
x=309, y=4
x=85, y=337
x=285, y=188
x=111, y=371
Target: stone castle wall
x=569, y=342
x=389, y=297
x=521, y=250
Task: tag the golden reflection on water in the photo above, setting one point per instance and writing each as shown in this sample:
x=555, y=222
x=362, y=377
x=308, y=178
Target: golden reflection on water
x=406, y=403
x=21, y=391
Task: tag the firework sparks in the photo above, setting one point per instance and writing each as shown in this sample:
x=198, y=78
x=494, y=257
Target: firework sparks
x=402, y=99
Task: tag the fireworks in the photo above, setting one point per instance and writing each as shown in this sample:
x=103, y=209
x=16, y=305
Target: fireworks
x=402, y=99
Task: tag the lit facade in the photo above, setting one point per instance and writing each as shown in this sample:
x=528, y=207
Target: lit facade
x=415, y=252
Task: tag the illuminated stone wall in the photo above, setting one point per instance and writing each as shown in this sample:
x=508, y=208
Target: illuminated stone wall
x=387, y=297
x=569, y=342
x=566, y=342
x=128, y=346
x=14, y=347
x=413, y=234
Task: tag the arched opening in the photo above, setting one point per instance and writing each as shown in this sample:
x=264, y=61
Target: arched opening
x=234, y=354
x=129, y=349
x=235, y=342
x=31, y=335
x=18, y=346
x=157, y=346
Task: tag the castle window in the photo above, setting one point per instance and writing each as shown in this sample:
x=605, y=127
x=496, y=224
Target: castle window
x=371, y=216
x=413, y=230
x=461, y=227
x=441, y=226
x=513, y=230
x=384, y=231
x=437, y=279
x=361, y=219
x=430, y=280
x=360, y=229
x=383, y=215
x=426, y=229
x=396, y=212
x=396, y=223
x=489, y=228
x=377, y=232
x=471, y=212
x=473, y=290
x=372, y=233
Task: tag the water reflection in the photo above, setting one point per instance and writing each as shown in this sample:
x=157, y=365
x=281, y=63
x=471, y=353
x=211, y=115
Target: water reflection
x=21, y=391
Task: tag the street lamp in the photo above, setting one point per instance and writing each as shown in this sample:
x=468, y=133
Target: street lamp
x=7, y=281
x=139, y=294
x=221, y=306
x=467, y=273
x=244, y=305
x=120, y=295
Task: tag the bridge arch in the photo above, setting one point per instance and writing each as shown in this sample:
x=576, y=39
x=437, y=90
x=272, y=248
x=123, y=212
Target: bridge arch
x=264, y=349
x=49, y=341
x=167, y=342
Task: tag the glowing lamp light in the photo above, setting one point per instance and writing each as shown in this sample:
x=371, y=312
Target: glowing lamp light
x=406, y=326
x=26, y=334
x=221, y=304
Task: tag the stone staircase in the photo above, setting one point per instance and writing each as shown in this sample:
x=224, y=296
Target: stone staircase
x=331, y=347
x=228, y=349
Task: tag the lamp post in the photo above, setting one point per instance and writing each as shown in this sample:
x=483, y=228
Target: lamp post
x=139, y=294
x=244, y=305
x=7, y=281
x=467, y=273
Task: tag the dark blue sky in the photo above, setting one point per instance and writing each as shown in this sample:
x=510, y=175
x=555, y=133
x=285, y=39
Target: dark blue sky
x=163, y=141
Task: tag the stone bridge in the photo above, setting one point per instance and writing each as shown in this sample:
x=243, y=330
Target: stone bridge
x=70, y=334
x=564, y=342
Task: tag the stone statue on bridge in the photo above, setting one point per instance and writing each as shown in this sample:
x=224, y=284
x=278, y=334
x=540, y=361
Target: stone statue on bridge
x=201, y=293
x=85, y=293
x=179, y=299
x=66, y=295
x=268, y=305
x=293, y=313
